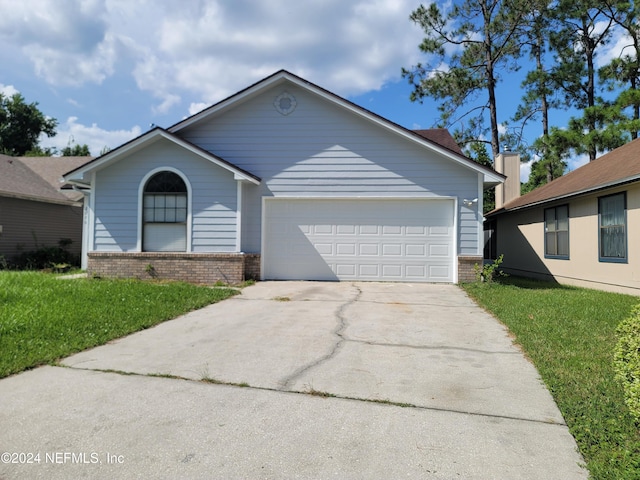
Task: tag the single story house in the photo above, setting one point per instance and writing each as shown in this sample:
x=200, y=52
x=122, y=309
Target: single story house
x=580, y=229
x=34, y=211
x=285, y=180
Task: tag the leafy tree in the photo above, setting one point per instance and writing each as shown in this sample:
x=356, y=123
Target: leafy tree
x=467, y=47
x=38, y=151
x=582, y=27
x=477, y=151
x=539, y=97
x=625, y=70
x=76, y=151
x=21, y=125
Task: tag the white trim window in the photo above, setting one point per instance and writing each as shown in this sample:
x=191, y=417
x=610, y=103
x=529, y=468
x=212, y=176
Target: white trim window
x=164, y=213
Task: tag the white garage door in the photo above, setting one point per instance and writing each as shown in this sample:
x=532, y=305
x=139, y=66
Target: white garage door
x=383, y=240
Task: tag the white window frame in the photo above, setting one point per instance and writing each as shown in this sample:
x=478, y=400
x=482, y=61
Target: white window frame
x=141, y=186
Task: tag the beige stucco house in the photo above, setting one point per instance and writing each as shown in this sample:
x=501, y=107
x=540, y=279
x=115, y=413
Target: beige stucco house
x=580, y=229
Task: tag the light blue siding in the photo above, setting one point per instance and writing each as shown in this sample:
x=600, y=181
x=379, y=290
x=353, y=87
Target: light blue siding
x=321, y=150
x=213, y=199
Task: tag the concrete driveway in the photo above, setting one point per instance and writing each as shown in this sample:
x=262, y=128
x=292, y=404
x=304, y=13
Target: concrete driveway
x=295, y=380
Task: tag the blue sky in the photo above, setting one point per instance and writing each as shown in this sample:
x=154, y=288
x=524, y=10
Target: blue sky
x=108, y=69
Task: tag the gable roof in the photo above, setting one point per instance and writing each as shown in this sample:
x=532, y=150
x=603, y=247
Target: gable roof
x=37, y=178
x=442, y=137
x=617, y=167
x=448, y=148
x=79, y=175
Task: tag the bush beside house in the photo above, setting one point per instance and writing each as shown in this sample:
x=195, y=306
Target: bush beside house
x=627, y=360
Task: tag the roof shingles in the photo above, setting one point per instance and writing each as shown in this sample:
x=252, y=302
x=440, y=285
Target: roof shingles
x=37, y=178
x=616, y=167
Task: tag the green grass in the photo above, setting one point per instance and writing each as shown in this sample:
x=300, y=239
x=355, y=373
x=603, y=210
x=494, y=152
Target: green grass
x=43, y=319
x=569, y=334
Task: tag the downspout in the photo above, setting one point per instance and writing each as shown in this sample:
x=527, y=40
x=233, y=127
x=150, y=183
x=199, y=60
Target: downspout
x=86, y=214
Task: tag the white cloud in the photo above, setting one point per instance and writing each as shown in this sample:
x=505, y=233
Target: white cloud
x=74, y=133
x=576, y=162
x=67, y=42
x=205, y=50
x=197, y=107
x=525, y=170
x=619, y=45
x=8, y=90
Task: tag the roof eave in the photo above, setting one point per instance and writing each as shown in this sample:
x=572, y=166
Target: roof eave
x=283, y=75
x=586, y=191
x=34, y=198
x=78, y=176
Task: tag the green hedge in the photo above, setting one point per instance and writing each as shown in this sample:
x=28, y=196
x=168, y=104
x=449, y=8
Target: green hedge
x=627, y=360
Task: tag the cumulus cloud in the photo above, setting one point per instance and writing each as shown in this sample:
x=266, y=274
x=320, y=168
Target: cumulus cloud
x=73, y=133
x=619, y=45
x=67, y=42
x=8, y=90
x=205, y=50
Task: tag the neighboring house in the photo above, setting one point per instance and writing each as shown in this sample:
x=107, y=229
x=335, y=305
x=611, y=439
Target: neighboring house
x=285, y=180
x=581, y=229
x=34, y=211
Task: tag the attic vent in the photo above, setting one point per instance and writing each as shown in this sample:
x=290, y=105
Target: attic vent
x=285, y=103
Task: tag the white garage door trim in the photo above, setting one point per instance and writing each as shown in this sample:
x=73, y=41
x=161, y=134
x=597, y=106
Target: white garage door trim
x=400, y=239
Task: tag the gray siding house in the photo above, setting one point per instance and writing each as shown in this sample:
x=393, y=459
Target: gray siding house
x=285, y=180
x=34, y=211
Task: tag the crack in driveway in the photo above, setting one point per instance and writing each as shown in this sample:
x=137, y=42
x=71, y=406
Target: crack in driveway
x=286, y=383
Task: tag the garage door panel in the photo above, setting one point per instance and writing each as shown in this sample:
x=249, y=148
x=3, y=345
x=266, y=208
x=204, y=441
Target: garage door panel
x=324, y=248
x=439, y=250
x=321, y=239
x=416, y=250
x=346, y=229
x=392, y=230
x=439, y=231
x=392, y=249
x=371, y=270
x=369, y=230
x=439, y=272
x=348, y=249
x=346, y=269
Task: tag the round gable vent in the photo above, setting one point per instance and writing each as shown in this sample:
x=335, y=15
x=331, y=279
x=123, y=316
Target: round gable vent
x=285, y=103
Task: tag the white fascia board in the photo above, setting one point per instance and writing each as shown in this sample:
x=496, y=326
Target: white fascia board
x=78, y=176
x=490, y=178
x=234, y=99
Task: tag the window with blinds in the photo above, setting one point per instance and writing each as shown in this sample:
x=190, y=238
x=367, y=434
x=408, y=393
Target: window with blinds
x=612, y=220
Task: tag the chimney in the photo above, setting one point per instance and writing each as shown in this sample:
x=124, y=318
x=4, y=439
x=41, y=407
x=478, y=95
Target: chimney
x=508, y=164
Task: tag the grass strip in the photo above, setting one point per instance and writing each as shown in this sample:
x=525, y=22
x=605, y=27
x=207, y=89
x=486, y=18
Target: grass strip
x=570, y=335
x=43, y=319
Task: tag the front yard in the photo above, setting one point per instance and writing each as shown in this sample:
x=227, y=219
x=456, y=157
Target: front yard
x=569, y=334
x=43, y=318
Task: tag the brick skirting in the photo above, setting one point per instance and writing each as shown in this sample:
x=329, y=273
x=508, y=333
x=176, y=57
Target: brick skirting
x=205, y=268
x=466, y=265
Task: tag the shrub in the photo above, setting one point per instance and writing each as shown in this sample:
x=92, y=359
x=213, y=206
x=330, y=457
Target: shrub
x=627, y=360
x=57, y=258
x=487, y=272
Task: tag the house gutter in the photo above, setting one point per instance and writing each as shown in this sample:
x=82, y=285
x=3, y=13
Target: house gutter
x=617, y=183
x=34, y=198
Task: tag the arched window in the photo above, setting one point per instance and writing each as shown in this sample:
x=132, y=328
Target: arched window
x=164, y=213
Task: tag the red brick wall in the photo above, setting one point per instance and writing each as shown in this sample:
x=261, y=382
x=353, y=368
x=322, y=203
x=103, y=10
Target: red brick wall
x=206, y=268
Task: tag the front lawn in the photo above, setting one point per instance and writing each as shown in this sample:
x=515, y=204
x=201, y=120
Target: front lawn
x=43, y=318
x=569, y=334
